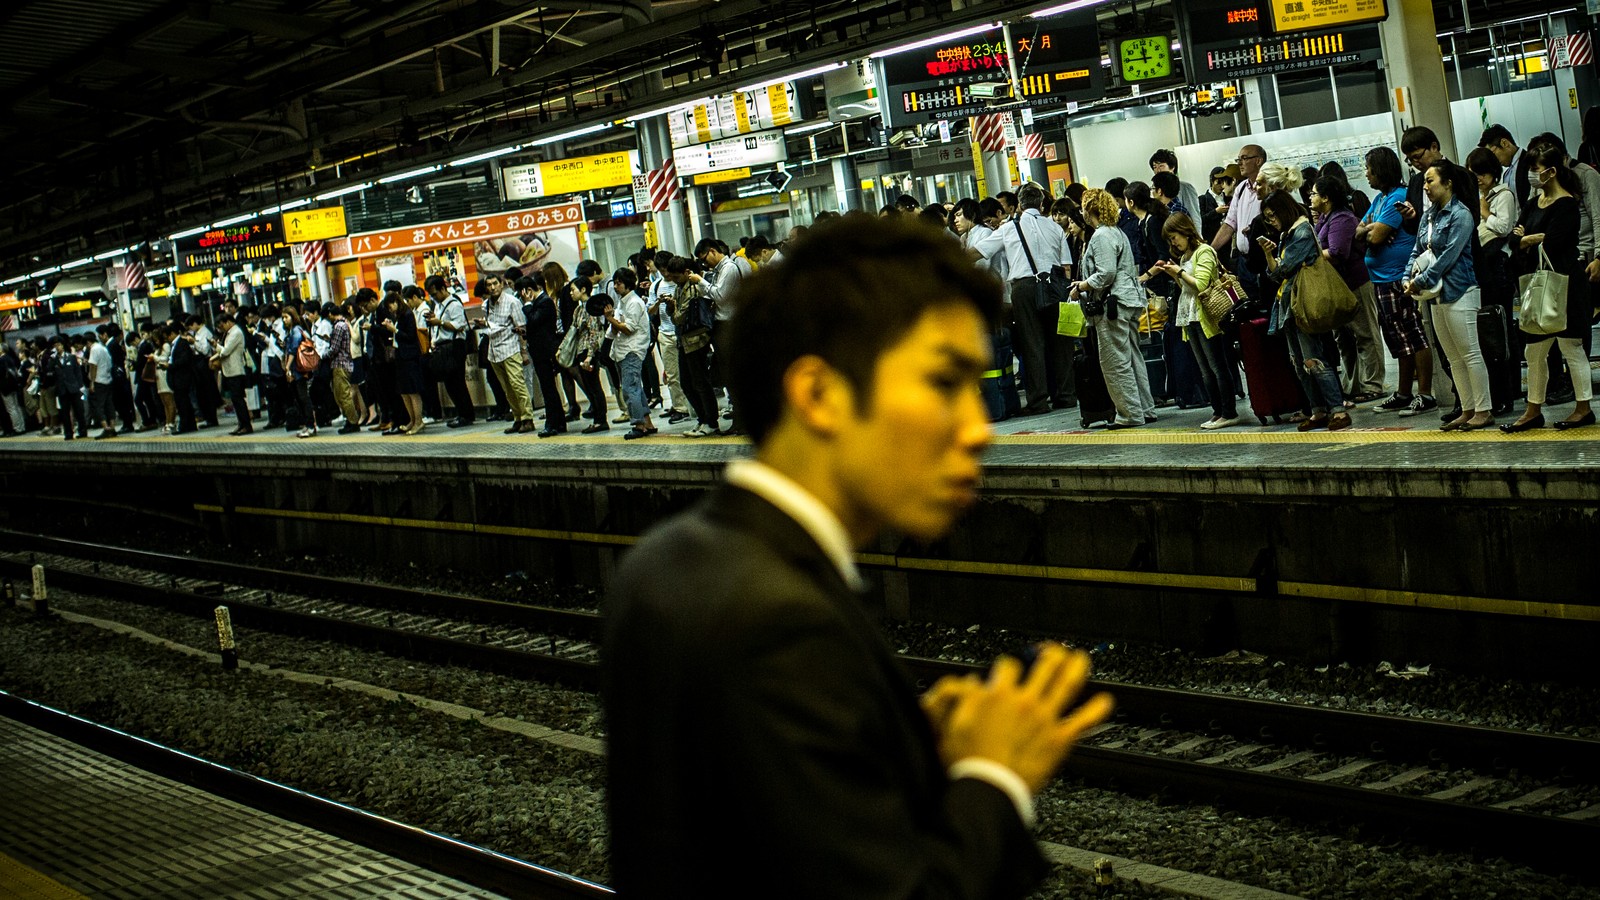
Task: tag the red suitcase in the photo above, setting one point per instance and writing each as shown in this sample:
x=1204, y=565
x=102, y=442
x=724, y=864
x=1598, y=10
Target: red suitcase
x=1268, y=375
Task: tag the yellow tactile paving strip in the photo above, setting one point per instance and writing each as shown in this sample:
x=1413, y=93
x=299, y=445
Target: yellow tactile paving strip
x=18, y=882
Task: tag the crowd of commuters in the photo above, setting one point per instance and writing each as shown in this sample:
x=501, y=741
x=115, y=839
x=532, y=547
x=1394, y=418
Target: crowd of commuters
x=1433, y=261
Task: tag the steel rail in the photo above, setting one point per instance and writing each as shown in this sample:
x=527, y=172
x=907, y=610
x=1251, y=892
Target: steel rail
x=447, y=856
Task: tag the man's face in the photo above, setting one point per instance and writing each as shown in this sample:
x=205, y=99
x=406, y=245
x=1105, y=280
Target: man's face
x=1156, y=167
x=1503, y=150
x=963, y=224
x=1008, y=206
x=1250, y=160
x=1423, y=158
x=439, y=293
x=496, y=284
x=910, y=459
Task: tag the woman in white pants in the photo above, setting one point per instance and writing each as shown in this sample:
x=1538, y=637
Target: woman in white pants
x=1441, y=266
x=1109, y=273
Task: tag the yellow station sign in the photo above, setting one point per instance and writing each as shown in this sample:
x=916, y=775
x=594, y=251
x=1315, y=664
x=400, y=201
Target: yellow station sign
x=302, y=225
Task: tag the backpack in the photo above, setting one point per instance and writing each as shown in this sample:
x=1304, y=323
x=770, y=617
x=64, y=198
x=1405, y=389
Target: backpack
x=306, y=358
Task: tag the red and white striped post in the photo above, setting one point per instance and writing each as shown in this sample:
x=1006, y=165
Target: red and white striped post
x=989, y=133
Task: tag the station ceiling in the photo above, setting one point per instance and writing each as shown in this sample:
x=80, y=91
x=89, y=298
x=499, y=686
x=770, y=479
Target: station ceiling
x=126, y=119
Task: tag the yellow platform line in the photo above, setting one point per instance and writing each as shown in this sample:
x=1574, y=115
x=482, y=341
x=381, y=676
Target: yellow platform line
x=19, y=882
x=1070, y=574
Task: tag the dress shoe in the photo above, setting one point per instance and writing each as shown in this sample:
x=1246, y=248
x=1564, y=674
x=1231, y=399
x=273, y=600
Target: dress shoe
x=343, y=429
x=1516, y=427
x=1569, y=424
x=596, y=428
x=392, y=431
x=515, y=428
x=1314, y=423
x=635, y=433
x=551, y=432
x=674, y=418
x=1339, y=421
x=572, y=413
x=459, y=423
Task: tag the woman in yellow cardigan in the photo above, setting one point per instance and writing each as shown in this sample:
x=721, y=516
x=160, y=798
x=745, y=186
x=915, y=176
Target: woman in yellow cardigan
x=1196, y=269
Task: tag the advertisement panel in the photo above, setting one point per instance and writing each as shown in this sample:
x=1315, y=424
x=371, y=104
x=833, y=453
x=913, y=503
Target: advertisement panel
x=499, y=241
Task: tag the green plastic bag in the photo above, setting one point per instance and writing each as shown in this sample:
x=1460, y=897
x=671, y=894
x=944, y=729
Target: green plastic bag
x=1070, y=320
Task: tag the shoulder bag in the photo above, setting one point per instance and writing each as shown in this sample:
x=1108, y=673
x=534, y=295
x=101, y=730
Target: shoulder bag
x=567, y=352
x=1048, y=289
x=306, y=358
x=1224, y=293
x=1321, y=300
x=1543, y=309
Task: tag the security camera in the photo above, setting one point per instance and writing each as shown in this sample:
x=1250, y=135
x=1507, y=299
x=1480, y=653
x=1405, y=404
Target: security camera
x=992, y=90
x=1226, y=128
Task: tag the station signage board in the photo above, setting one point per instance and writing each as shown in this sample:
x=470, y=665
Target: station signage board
x=1297, y=16
x=1226, y=40
x=198, y=278
x=438, y=235
x=757, y=149
x=1058, y=61
x=10, y=301
x=852, y=92
x=573, y=175
x=739, y=174
x=303, y=225
x=735, y=114
x=255, y=239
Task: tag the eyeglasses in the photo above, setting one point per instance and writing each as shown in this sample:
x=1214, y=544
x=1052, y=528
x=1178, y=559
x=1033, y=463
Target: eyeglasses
x=1253, y=156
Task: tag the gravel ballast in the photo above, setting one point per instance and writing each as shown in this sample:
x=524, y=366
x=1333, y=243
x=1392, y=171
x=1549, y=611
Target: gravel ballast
x=544, y=804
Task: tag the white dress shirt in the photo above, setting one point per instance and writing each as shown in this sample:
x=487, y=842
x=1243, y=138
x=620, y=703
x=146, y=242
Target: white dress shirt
x=1046, y=242
x=825, y=528
x=994, y=262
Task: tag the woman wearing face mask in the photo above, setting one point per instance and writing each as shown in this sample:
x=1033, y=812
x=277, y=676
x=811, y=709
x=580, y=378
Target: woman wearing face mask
x=1447, y=230
x=1551, y=224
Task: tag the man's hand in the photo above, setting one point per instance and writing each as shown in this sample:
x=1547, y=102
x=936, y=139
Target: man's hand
x=1017, y=721
x=1593, y=268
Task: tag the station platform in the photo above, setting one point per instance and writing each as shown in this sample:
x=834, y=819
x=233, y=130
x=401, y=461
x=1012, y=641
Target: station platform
x=80, y=824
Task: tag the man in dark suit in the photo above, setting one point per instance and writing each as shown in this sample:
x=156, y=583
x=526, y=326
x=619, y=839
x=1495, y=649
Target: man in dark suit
x=763, y=740
x=1497, y=140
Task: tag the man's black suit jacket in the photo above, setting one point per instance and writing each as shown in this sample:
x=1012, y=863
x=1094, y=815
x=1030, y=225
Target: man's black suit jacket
x=763, y=740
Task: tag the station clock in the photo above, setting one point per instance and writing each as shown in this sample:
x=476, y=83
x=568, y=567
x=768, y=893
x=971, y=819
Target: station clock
x=1146, y=57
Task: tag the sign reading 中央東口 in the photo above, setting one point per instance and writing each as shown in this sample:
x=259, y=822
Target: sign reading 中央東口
x=1057, y=60
x=1295, y=16
x=302, y=225
x=731, y=115
x=760, y=148
x=434, y=235
x=1228, y=39
x=569, y=176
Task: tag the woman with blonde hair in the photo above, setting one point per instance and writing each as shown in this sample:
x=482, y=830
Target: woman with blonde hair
x=1114, y=299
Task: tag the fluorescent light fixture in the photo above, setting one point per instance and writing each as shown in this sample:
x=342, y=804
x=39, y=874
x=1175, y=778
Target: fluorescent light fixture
x=1065, y=7
x=568, y=135
x=292, y=204
x=14, y=280
x=50, y=271
x=928, y=42
x=235, y=220
x=794, y=77
x=483, y=156
x=662, y=110
x=340, y=192
x=807, y=129
x=190, y=233
x=110, y=253
x=426, y=170
x=77, y=262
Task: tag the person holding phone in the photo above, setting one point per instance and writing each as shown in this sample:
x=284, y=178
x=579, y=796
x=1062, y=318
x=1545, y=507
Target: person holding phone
x=1389, y=244
x=1308, y=352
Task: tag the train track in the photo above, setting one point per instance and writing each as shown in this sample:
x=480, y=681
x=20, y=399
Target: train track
x=1498, y=791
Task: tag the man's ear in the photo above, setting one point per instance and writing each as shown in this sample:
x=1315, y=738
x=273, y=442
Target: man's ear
x=818, y=397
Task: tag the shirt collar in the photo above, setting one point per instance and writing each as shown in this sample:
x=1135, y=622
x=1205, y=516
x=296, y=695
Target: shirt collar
x=799, y=504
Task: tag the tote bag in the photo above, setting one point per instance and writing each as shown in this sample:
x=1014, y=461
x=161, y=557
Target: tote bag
x=1544, y=299
x=1321, y=300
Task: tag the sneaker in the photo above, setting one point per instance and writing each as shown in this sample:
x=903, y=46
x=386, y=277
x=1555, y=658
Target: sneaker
x=698, y=431
x=1396, y=401
x=305, y=433
x=1421, y=404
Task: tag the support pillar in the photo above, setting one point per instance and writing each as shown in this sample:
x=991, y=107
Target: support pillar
x=997, y=172
x=672, y=226
x=1414, y=69
x=846, y=184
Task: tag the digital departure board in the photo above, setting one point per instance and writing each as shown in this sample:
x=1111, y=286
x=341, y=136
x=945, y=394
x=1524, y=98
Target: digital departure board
x=1224, y=40
x=238, y=242
x=1058, y=60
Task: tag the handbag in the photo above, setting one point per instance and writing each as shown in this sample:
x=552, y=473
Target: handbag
x=567, y=352
x=1070, y=320
x=306, y=358
x=1048, y=290
x=1321, y=300
x=1423, y=263
x=1223, y=295
x=1543, y=309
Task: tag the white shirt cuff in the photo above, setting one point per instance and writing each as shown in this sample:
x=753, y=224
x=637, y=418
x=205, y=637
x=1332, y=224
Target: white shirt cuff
x=1002, y=778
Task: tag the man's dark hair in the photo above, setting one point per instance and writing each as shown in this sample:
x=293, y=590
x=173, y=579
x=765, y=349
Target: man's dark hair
x=1115, y=187
x=1167, y=183
x=989, y=207
x=392, y=286
x=1165, y=156
x=933, y=214
x=588, y=268
x=846, y=294
x=1217, y=170
x=676, y=265
x=433, y=283
x=1074, y=192
x=969, y=208
x=329, y=310
x=102, y=329
x=1417, y=137
x=1494, y=134
x=1006, y=197
x=195, y=320
x=662, y=257
x=907, y=203
x=706, y=245
x=481, y=290
x=1385, y=167
x=1481, y=162
x=225, y=318
x=1030, y=196
x=756, y=245
x=625, y=280
x=526, y=283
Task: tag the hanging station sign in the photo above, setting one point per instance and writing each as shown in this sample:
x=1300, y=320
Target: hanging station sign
x=1295, y=16
x=480, y=230
x=1227, y=40
x=758, y=149
x=569, y=176
x=238, y=242
x=304, y=225
x=732, y=115
x=1058, y=61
